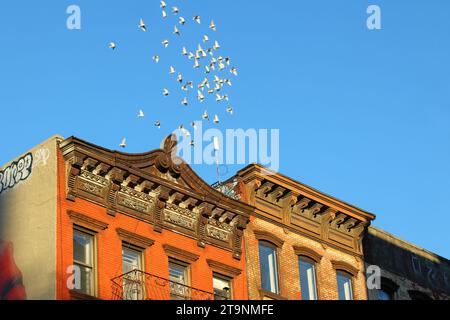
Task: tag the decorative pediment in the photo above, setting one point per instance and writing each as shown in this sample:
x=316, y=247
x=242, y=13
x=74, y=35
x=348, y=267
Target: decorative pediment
x=156, y=187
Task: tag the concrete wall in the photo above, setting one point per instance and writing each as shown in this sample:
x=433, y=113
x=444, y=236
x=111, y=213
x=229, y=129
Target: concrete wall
x=28, y=204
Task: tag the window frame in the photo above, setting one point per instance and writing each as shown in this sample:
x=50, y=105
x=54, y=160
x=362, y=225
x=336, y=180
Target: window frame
x=226, y=278
x=349, y=276
x=187, y=274
x=314, y=263
x=275, y=248
x=94, y=268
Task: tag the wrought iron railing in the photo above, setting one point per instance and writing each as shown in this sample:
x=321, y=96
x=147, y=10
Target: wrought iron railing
x=139, y=285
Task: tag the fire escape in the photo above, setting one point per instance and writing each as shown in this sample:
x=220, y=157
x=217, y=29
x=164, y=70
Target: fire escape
x=139, y=285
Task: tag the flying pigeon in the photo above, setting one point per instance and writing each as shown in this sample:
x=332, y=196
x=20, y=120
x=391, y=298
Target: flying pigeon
x=165, y=92
x=205, y=115
x=181, y=20
x=155, y=58
x=212, y=26
x=123, y=144
x=158, y=124
x=163, y=4
x=176, y=31
x=142, y=25
x=175, y=10
x=141, y=114
x=216, y=119
x=200, y=96
x=196, y=19
x=230, y=110
x=216, y=45
x=171, y=70
x=185, y=101
x=165, y=43
x=112, y=45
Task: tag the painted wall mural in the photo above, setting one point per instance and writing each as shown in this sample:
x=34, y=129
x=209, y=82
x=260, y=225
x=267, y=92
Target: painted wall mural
x=18, y=171
x=11, y=284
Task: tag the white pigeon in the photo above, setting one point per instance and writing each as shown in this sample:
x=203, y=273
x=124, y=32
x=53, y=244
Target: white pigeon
x=164, y=14
x=230, y=110
x=221, y=66
x=227, y=61
x=184, y=51
x=216, y=119
x=162, y=4
x=180, y=78
x=165, y=92
x=200, y=96
x=176, y=31
x=218, y=97
x=171, y=70
x=194, y=125
x=196, y=19
x=142, y=25
x=207, y=70
x=233, y=70
x=205, y=38
x=191, y=56
x=212, y=26
x=158, y=124
x=181, y=20
x=205, y=115
x=155, y=58
x=191, y=143
x=228, y=82
x=141, y=114
x=112, y=45
x=184, y=87
x=211, y=91
x=165, y=43
x=175, y=10
x=123, y=144
x=196, y=64
x=216, y=45
x=184, y=101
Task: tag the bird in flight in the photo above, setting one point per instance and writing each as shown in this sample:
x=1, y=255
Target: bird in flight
x=184, y=51
x=184, y=101
x=176, y=31
x=230, y=110
x=212, y=26
x=141, y=114
x=216, y=119
x=142, y=25
x=196, y=19
x=112, y=45
x=164, y=14
x=162, y=4
x=123, y=144
x=205, y=115
x=216, y=45
x=171, y=70
x=180, y=78
x=165, y=92
x=205, y=38
x=175, y=10
x=155, y=58
x=158, y=124
x=181, y=20
x=165, y=43
x=200, y=96
x=233, y=70
x=194, y=125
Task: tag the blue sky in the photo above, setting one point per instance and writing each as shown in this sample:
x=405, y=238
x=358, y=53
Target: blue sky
x=363, y=115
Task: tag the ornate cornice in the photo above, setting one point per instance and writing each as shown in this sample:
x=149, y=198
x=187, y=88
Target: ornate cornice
x=300, y=208
x=155, y=187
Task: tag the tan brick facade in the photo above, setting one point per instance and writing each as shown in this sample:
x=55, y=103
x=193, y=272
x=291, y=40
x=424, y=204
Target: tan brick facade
x=301, y=221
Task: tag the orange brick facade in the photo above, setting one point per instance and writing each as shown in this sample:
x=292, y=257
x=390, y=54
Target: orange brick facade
x=156, y=259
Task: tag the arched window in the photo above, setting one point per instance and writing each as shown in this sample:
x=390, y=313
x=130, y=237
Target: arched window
x=308, y=286
x=345, y=285
x=268, y=261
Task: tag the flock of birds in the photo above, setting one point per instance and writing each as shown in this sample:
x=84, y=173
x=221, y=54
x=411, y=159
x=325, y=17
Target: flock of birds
x=202, y=58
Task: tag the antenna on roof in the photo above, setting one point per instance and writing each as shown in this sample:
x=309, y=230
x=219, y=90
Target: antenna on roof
x=216, y=152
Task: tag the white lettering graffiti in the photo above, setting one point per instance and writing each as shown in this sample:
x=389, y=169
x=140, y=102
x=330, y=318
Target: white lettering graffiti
x=18, y=171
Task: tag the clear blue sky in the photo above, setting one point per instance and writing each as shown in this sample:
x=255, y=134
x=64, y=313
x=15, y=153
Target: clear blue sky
x=363, y=115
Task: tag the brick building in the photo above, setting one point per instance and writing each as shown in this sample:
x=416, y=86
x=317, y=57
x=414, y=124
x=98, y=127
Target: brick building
x=300, y=243
x=94, y=223
x=78, y=221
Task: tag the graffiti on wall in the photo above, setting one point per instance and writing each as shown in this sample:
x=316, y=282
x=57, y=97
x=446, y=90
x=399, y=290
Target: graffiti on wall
x=18, y=171
x=41, y=157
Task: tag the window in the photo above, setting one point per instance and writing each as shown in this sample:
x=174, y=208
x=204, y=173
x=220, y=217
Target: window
x=269, y=269
x=222, y=287
x=307, y=278
x=344, y=281
x=384, y=295
x=178, y=275
x=83, y=258
x=133, y=287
